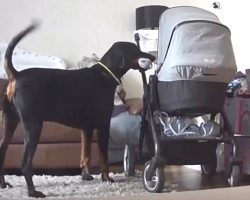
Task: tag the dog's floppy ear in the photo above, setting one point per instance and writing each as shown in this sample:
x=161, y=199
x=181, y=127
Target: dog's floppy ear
x=120, y=61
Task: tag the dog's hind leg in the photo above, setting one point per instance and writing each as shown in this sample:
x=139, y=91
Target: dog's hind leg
x=86, y=139
x=103, y=140
x=10, y=123
x=32, y=132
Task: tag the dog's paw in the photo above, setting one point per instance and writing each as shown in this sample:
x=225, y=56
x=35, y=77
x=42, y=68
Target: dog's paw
x=36, y=194
x=5, y=185
x=107, y=178
x=86, y=176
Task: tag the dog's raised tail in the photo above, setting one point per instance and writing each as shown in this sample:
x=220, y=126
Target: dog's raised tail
x=8, y=65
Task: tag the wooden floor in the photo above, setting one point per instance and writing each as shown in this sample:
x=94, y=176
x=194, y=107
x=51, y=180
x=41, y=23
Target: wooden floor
x=185, y=178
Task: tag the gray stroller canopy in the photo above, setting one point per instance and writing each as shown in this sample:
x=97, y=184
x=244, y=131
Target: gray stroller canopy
x=194, y=45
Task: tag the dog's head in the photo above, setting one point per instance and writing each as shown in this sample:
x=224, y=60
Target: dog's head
x=123, y=56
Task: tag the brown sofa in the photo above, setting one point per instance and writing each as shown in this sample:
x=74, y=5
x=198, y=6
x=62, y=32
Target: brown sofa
x=59, y=147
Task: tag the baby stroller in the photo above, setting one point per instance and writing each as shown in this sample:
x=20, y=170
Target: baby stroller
x=195, y=63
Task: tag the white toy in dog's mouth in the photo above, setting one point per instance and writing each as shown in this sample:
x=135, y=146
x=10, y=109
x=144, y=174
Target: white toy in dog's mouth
x=145, y=63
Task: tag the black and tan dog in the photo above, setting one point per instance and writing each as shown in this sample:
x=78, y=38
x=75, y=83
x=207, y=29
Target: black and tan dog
x=77, y=98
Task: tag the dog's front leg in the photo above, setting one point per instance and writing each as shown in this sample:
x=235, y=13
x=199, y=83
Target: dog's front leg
x=103, y=140
x=86, y=139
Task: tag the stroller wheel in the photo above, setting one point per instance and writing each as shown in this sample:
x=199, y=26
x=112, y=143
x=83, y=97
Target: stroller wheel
x=157, y=181
x=208, y=170
x=234, y=176
x=129, y=160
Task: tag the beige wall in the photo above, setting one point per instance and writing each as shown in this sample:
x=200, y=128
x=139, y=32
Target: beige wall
x=74, y=28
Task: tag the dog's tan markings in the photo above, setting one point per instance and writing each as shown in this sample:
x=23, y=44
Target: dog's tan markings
x=11, y=90
x=85, y=151
x=7, y=70
x=103, y=161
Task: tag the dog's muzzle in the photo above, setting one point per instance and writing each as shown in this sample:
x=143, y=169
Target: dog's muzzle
x=145, y=63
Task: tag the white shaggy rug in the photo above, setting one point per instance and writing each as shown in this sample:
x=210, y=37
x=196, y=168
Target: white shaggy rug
x=73, y=187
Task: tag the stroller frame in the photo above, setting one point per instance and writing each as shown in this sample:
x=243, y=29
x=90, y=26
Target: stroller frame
x=155, y=166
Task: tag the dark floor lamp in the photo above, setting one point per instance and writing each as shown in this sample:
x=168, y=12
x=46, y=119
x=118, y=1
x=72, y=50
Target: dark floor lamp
x=147, y=17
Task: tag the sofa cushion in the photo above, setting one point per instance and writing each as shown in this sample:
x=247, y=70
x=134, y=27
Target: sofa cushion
x=23, y=59
x=51, y=133
x=50, y=156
